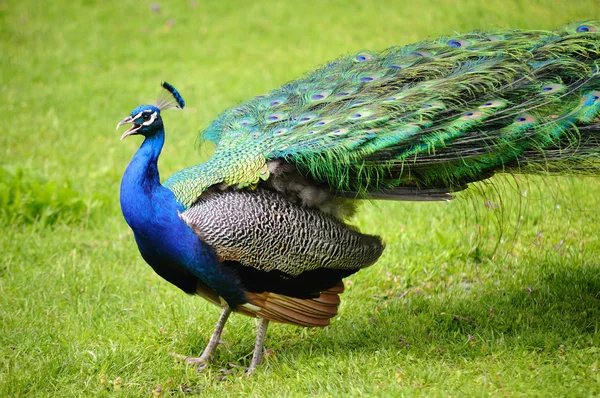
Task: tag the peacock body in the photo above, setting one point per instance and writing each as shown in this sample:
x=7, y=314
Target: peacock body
x=259, y=228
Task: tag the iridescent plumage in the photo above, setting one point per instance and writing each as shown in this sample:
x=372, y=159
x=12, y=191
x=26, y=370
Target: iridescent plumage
x=436, y=114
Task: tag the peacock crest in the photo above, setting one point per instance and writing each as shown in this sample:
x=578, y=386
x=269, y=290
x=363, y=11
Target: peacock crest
x=169, y=98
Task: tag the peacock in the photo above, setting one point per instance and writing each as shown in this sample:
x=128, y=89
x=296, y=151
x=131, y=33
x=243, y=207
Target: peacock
x=261, y=228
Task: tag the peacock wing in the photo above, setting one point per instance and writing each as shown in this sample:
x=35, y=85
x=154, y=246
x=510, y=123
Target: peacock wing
x=263, y=231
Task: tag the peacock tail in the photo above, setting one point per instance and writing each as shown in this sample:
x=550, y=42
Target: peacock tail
x=419, y=121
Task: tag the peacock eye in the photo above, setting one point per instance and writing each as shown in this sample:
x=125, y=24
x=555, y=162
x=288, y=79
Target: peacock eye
x=583, y=28
x=146, y=116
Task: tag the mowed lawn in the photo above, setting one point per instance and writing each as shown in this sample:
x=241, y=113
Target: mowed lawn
x=496, y=293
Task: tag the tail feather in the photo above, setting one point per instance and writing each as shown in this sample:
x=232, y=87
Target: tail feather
x=438, y=114
x=315, y=312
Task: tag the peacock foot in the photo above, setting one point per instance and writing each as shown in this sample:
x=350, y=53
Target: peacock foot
x=202, y=361
x=207, y=356
x=209, y=352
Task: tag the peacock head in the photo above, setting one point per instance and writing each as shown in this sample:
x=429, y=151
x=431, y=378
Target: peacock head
x=146, y=120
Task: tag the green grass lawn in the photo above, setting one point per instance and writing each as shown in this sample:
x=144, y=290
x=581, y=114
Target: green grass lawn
x=487, y=295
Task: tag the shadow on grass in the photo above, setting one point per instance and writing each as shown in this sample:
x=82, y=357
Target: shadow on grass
x=560, y=308
x=557, y=311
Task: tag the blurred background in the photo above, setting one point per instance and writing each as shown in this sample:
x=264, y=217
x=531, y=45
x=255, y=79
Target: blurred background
x=80, y=312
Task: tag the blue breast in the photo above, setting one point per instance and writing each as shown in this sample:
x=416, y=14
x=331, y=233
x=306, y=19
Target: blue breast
x=166, y=242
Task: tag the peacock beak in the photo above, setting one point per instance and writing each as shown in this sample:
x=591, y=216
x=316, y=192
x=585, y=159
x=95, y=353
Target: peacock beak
x=132, y=129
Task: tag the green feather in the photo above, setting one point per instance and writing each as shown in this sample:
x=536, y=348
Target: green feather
x=436, y=114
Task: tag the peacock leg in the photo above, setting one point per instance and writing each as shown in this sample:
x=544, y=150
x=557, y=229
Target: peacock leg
x=211, y=347
x=258, y=347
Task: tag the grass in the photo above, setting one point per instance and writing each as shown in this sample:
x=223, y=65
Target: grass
x=480, y=296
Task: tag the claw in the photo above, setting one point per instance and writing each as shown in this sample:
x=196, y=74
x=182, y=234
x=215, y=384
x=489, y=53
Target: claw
x=201, y=361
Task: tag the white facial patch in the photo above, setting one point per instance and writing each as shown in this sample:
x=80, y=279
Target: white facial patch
x=152, y=119
x=147, y=122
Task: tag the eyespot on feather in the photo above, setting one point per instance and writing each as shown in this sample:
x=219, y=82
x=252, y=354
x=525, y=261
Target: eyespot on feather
x=245, y=122
x=319, y=96
x=360, y=114
x=339, y=132
x=363, y=57
x=368, y=77
x=323, y=122
x=280, y=131
x=586, y=28
x=497, y=103
x=553, y=88
x=472, y=115
x=345, y=91
x=306, y=118
x=525, y=119
x=590, y=98
x=357, y=103
x=276, y=101
x=458, y=43
x=420, y=53
x=275, y=117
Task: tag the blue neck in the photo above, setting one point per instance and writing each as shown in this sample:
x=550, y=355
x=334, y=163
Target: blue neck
x=143, y=168
x=165, y=241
